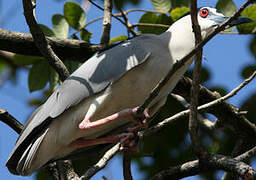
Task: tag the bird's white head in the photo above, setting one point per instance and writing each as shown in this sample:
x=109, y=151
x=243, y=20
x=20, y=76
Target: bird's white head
x=209, y=18
x=180, y=36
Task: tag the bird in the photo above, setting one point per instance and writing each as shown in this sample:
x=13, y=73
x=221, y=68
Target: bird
x=103, y=94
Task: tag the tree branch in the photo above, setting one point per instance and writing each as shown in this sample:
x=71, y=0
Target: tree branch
x=205, y=123
x=106, y=25
x=127, y=166
x=101, y=163
x=103, y=10
x=193, y=124
x=214, y=161
x=41, y=41
x=8, y=119
x=151, y=25
x=128, y=24
x=68, y=49
x=66, y=170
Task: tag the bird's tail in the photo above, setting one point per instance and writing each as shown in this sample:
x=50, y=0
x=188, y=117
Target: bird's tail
x=21, y=162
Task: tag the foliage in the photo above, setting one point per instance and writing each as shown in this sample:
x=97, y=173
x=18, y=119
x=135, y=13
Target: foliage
x=249, y=28
x=152, y=18
x=227, y=7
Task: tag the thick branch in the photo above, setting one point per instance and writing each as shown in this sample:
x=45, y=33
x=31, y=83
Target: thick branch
x=66, y=170
x=41, y=41
x=68, y=49
x=193, y=124
x=214, y=161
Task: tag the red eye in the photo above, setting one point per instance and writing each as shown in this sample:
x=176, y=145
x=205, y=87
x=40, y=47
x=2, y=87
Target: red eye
x=204, y=13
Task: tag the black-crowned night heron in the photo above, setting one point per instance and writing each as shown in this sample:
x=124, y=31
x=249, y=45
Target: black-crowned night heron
x=102, y=94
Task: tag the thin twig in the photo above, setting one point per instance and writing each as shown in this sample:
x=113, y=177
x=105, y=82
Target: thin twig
x=127, y=158
x=101, y=163
x=41, y=41
x=151, y=25
x=10, y=121
x=106, y=25
x=205, y=123
x=111, y=13
x=127, y=22
x=140, y=10
x=125, y=12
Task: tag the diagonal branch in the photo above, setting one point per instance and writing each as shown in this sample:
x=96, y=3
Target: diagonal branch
x=10, y=121
x=101, y=163
x=41, y=41
x=127, y=22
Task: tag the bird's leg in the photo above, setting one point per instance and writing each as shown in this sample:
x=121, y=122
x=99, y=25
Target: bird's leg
x=129, y=140
x=127, y=113
x=82, y=142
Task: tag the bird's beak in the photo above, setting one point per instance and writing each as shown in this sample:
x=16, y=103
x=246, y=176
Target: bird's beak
x=240, y=20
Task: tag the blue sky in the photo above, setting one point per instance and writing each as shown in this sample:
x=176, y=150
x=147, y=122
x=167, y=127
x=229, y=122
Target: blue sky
x=225, y=55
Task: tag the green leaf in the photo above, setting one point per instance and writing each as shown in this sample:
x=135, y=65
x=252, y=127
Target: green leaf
x=54, y=79
x=248, y=70
x=222, y=91
x=72, y=65
x=35, y=102
x=227, y=7
x=163, y=6
x=253, y=46
x=248, y=28
x=180, y=3
x=152, y=18
x=3, y=65
x=178, y=12
x=118, y=4
x=118, y=39
x=60, y=26
x=85, y=35
x=74, y=15
x=38, y=76
x=47, y=31
x=22, y=60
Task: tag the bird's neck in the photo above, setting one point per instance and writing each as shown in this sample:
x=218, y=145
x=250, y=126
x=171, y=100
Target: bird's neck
x=179, y=39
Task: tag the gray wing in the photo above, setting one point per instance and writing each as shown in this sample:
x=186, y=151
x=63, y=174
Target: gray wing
x=92, y=77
